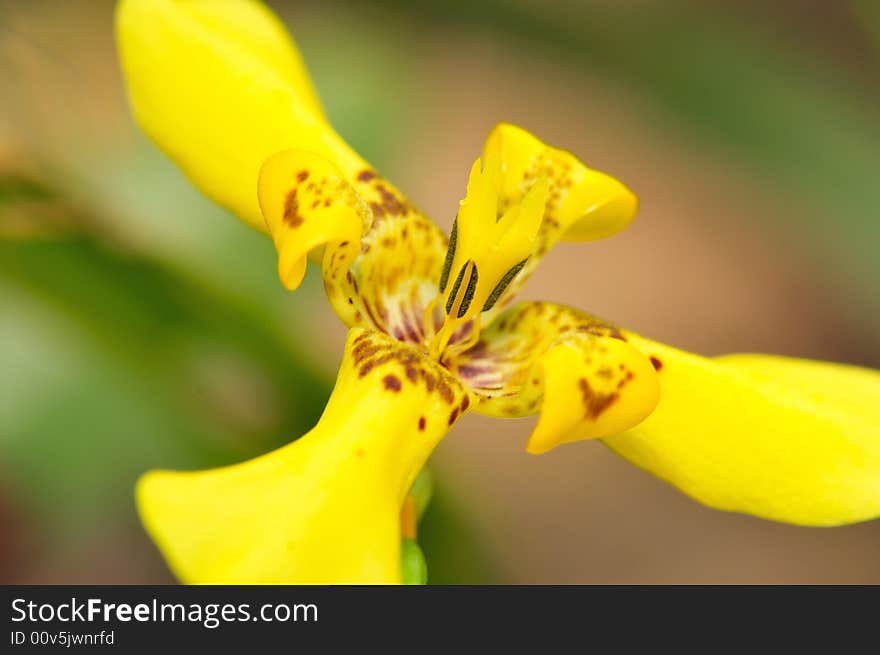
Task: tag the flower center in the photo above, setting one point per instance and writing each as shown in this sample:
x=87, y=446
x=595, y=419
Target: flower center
x=487, y=249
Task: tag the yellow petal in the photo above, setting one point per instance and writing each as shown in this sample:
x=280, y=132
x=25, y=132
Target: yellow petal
x=784, y=439
x=382, y=260
x=582, y=204
x=393, y=281
x=593, y=387
x=219, y=86
x=582, y=374
x=324, y=509
x=308, y=203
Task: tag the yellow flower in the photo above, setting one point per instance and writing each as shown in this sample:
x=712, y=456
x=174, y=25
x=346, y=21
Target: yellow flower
x=221, y=88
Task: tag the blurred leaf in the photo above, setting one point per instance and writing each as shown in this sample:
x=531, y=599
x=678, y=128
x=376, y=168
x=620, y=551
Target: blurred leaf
x=868, y=14
x=14, y=188
x=412, y=563
x=356, y=64
x=453, y=552
x=150, y=317
x=422, y=490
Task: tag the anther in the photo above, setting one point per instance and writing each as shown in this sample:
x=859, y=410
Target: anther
x=469, y=292
x=450, y=256
x=502, y=285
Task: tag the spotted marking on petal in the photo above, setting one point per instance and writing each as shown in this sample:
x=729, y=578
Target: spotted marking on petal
x=556, y=167
x=389, y=282
x=574, y=191
x=498, y=368
x=308, y=205
x=311, y=192
x=291, y=209
x=398, y=364
x=384, y=200
x=595, y=403
x=392, y=383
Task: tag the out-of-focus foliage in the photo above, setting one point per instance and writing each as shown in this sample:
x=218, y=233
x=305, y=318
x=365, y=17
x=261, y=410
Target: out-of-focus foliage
x=868, y=12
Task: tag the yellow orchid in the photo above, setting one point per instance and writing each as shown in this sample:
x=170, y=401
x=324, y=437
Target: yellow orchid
x=221, y=88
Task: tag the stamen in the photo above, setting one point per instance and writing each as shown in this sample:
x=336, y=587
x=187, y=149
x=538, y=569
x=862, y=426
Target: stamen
x=468, y=292
x=488, y=249
x=450, y=256
x=454, y=313
x=502, y=285
x=454, y=294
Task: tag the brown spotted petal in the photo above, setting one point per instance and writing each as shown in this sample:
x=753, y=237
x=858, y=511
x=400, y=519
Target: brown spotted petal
x=392, y=280
x=382, y=258
x=324, y=509
x=582, y=205
x=407, y=373
x=580, y=372
x=308, y=203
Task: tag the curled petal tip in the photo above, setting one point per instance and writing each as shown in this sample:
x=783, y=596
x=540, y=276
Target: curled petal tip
x=585, y=203
x=307, y=203
x=580, y=372
x=593, y=387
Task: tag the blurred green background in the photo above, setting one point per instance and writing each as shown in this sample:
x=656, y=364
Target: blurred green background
x=141, y=326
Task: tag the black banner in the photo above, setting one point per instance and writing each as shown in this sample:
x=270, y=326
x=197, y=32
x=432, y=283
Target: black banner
x=135, y=619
